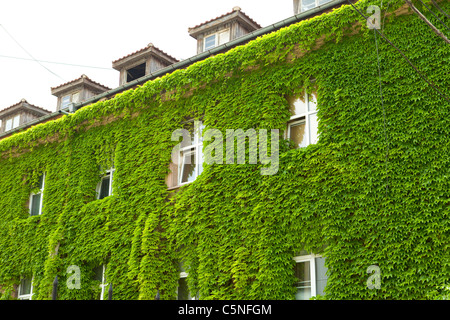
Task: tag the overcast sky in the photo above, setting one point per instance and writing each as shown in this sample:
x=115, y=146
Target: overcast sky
x=96, y=32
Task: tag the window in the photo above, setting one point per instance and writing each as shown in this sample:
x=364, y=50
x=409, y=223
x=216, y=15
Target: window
x=303, y=125
x=183, y=289
x=310, y=273
x=190, y=157
x=25, y=289
x=216, y=39
x=104, y=187
x=16, y=121
x=9, y=124
x=310, y=4
x=136, y=72
x=70, y=98
x=36, y=198
x=100, y=275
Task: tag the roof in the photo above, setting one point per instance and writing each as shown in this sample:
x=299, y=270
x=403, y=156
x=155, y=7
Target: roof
x=151, y=49
x=82, y=79
x=24, y=104
x=234, y=11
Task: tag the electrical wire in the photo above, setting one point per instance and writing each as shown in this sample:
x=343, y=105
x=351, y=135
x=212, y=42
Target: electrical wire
x=53, y=62
x=30, y=53
x=431, y=83
x=440, y=9
x=434, y=14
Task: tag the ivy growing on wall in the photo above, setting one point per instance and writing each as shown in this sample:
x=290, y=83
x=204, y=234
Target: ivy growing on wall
x=373, y=191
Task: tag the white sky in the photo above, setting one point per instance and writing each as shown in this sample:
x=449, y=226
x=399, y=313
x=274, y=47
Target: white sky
x=96, y=32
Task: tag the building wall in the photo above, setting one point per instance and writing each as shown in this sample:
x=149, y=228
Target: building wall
x=372, y=191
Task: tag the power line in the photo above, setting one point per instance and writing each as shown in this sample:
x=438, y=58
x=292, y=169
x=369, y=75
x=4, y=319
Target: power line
x=434, y=15
x=431, y=83
x=29, y=53
x=53, y=62
x=439, y=8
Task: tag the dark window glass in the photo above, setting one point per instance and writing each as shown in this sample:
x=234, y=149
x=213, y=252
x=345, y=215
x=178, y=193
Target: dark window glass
x=104, y=188
x=35, y=204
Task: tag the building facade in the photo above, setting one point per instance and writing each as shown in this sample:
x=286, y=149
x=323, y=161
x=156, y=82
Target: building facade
x=119, y=192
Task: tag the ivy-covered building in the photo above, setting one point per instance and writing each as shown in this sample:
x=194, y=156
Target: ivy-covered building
x=358, y=207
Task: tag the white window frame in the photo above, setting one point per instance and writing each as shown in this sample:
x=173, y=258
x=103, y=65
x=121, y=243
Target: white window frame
x=316, y=5
x=9, y=124
x=16, y=121
x=304, y=117
x=312, y=267
x=109, y=173
x=41, y=192
x=103, y=285
x=27, y=296
x=71, y=100
x=195, y=146
x=217, y=38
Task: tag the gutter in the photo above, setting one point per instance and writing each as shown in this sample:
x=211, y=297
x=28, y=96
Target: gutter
x=182, y=64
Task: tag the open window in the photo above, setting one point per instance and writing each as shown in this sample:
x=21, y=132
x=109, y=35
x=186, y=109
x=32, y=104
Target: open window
x=302, y=127
x=104, y=187
x=36, y=197
x=26, y=288
x=187, y=159
x=311, y=278
x=136, y=72
x=100, y=275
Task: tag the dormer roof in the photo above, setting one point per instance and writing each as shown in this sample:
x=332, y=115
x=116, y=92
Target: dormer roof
x=82, y=81
x=24, y=105
x=235, y=15
x=149, y=51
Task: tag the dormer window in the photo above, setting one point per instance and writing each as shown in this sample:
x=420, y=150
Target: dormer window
x=216, y=39
x=141, y=63
x=12, y=123
x=305, y=5
x=222, y=29
x=77, y=91
x=70, y=98
x=136, y=72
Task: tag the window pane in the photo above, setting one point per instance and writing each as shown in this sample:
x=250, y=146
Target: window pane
x=98, y=271
x=25, y=286
x=303, y=285
x=75, y=97
x=323, y=1
x=65, y=101
x=16, y=121
x=8, y=124
x=321, y=277
x=188, y=166
x=297, y=106
x=224, y=37
x=313, y=128
x=104, y=188
x=297, y=134
x=183, y=290
x=41, y=182
x=35, y=204
x=210, y=42
x=308, y=4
